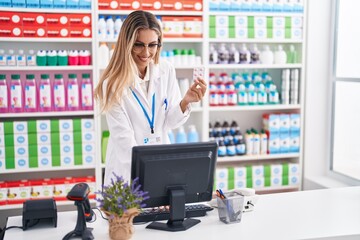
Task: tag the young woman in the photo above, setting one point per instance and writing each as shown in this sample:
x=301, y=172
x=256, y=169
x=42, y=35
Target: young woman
x=140, y=93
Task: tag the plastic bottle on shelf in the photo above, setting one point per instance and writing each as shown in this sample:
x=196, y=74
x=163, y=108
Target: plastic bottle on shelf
x=245, y=55
x=45, y=96
x=263, y=142
x=285, y=86
x=230, y=148
x=256, y=142
x=2, y=58
x=213, y=58
x=16, y=94
x=191, y=57
x=273, y=95
x=221, y=148
x=177, y=57
x=234, y=127
x=262, y=97
x=192, y=135
x=171, y=136
x=73, y=57
x=4, y=98
x=86, y=92
x=292, y=55
x=280, y=55
x=255, y=55
x=223, y=54
x=59, y=93
x=62, y=57
x=294, y=86
x=51, y=58
x=73, y=93
x=110, y=28
x=267, y=56
x=103, y=55
x=184, y=57
x=240, y=146
x=84, y=57
x=252, y=96
x=10, y=58
x=234, y=55
x=117, y=26
x=102, y=28
x=243, y=96
x=30, y=94
x=249, y=142
x=21, y=58
x=41, y=58
x=181, y=135
x=31, y=58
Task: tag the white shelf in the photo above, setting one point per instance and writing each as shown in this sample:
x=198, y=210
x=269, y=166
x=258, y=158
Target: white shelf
x=58, y=203
x=44, y=68
x=48, y=114
x=256, y=107
x=234, y=40
x=45, y=10
x=254, y=66
x=250, y=13
x=166, y=40
x=44, y=39
x=51, y=169
x=279, y=188
x=257, y=157
x=157, y=13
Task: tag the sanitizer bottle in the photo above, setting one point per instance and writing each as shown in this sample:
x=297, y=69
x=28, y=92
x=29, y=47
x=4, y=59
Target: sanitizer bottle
x=3, y=94
x=45, y=94
x=30, y=94
x=181, y=135
x=59, y=93
x=193, y=135
x=86, y=92
x=16, y=94
x=72, y=93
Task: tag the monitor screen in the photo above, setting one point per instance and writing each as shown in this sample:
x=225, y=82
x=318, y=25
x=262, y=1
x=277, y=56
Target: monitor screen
x=175, y=174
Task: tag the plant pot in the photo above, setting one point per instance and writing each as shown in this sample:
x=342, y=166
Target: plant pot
x=121, y=228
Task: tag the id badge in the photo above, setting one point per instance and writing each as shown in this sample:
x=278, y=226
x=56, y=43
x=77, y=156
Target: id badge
x=152, y=139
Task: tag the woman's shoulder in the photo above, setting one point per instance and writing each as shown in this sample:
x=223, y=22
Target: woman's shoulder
x=165, y=64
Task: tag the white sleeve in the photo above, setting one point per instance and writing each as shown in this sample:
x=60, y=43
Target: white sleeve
x=121, y=141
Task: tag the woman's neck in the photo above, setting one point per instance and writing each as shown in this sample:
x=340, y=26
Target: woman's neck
x=142, y=73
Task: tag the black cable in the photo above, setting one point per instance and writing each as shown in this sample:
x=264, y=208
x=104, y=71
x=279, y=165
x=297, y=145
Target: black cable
x=101, y=213
x=94, y=218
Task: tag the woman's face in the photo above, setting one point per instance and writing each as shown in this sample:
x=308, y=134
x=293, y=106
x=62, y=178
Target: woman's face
x=145, y=48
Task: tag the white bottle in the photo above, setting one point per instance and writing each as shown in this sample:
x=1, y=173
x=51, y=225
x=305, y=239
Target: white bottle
x=234, y=55
x=263, y=142
x=110, y=28
x=103, y=55
x=102, y=28
x=21, y=59
x=11, y=59
x=117, y=26
x=193, y=135
x=181, y=135
x=267, y=56
x=2, y=58
x=244, y=55
x=213, y=58
x=280, y=55
x=223, y=54
x=31, y=58
x=255, y=55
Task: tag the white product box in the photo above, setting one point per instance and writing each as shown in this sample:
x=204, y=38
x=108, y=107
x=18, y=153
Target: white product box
x=239, y=173
x=21, y=140
x=43, y=126
x=2, y=152
x=20, y=127
x=221, y=174
x=221, y=184
x=296, y=33
x=294, y=169
x=276, y=181
x=224, y=5
x=2, y=165
x=259, y=21
x=276, y=170
x=88, y=148
x=222, y=32
x=278, y=22
x=44, y=138
x=18, y=190
x=235, y=5
x=260, y=33
x=241, y=33
x=65, y=125
x=214, y=4
x=296, y=22
x=294, y=142
x=2, y=140
x=66, y=149
x=221, y=21
x=87, y=124
x=88, y=137
x=67, y=160
x=294, y=122
x=284, y=123
x=271, y=122
x=257, y=171
x=21, y=151
x=88, y=159
x=44, y=150
x=44, y=161
x=41, y=189
x=66, y=137
x=284, y=142
x=258, y=182
x=278, y=33
x=274, y=143
x=2, y=131
x=294, y=180
x=240, y=183
x=241, y=21
x=22, y=162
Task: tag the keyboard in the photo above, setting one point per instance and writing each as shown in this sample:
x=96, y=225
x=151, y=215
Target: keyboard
x=150, y=215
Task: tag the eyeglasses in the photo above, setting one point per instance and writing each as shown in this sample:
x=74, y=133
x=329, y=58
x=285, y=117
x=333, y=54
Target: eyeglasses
x=139, y=46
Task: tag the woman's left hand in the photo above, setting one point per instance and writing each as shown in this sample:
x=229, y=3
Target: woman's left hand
x=194, y=94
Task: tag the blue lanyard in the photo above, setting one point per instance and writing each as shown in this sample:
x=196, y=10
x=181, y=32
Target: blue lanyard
x=151, y=122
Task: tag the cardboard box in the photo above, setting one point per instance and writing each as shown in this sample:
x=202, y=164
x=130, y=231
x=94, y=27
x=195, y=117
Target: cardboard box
x=2, y=165
x=80, y=20
x=80, y=32
x=193, y=27
x=57, y=32
x=20, y=140
x=72, y=4
x=59, y=188
x=10, y=31
x=44, y=150
x=129, y=5
x=18, y=191
x=168, y=5
x=173, y=26
x=67, y=160
x=88, y=148
x=11, y=18
x=34, y=32
x=108, y=4
x=41, y=188
x=43, y=138
x=57, y=20
x=44, y=161
x=34, y=19
x=88, y=159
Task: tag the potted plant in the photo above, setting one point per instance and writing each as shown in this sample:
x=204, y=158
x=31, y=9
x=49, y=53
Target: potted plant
x=121, y=202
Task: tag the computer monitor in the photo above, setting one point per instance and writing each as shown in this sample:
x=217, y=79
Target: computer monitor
x=175, y=174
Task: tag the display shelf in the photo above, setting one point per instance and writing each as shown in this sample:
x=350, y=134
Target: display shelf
x=44, y=39
x=42, y=68
x=159, y=13
x=277, y=189
x=255, y=107
x=166, y=40
x=254, y=66
x=176, y=67
x=48, y=114
x=45, y=10
x=257, y=157
x=234, y=40
x=250, y=13
x=51, y=169
x=58, y=203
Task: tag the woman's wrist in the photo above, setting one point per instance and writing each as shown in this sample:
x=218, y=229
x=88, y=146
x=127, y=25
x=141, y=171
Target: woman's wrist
x=183, y=105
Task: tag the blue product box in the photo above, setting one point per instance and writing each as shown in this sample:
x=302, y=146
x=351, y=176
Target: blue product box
x=235, y=5
x=294, y=122
x=274, y=142
x=5, y=3
x=46, y=3
x=214, y=5
x=72, y=4
x=59, y=3
x=267, y=6
x=284, y=123
x=245, y=6
x=278, y=6
x=224, y=5
x=33, y=3
x=294, y=142
x=284, y=142
x=298, y=6
x=18, y=3
x=85, y=4
x=288, y=6
x=256, y=6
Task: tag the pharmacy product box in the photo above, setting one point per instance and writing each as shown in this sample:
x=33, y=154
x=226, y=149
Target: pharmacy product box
x=80, y=20
x=193, y=5
x=294, y=142
x=41, y=188
x=172, y=26
x=278, y=33
x=284, y=123
x=33, y=3
x=245, y=5
x=69, y=183
x=296, y=22
x=108, y=4
x=44, y=150
x=87, y=137
x=87, y=124
x=274, y=142
x=241, y=22
x=298, y=5
x=168, y=5
x=276, y=181
x=214, y=5
x=10, y=31
x=3, y=193
x=150, y=5
x=65, y=137
x=2, y=130
x=258, y=182
x=43, y=138
x=66, y=149
x=46, y=4
x=5, y=3
x=21, y=151
x=18, y=3
x=67, y=160
x=235, y=5
x=59, y=4
x=43, y=126
x=88, y=159
x=34, y=32
x=271, y=122
x=21, y=140
x=240, y=173
x=72, y=4
x=241, y=33
x=2, y=152
x=22, y=162
x=278, y=5
x=221, y=184
x=276, y=170
x=294, y=180
x=57, y=32
x=287, y=5
x=294, y=122
x=260, y=22
x=59, y=188
x=221, y=21
x=65, y=125
x=240, y=183
x=44, y=161
x=296, y=33
x=222, y=32
x=284, y=142
x=88, y=148
x=193, y=27
x=11, y=18
x=267, y=5
x=278, y=22
x=2, y=164
x=20, y=127
x=85, y=4
x=256, y=5
x=294, y=169
x=257, y=171
x=260, y=33
x=56, y=20
x=221, y=174
x=224, y=5
x=129, y=5
x=18, y=191
x=33, y=19
x=80, y=32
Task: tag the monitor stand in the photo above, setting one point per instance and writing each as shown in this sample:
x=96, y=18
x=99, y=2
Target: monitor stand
x=176, y=221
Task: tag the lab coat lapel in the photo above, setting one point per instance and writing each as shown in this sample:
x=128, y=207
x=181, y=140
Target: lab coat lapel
x=154, y=81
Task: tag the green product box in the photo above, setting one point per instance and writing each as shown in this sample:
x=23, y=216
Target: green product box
x=251, y=33
x=231, y=32
x=8, y=127
x=269, y=22
x=232, y=21
x=77, y=153
x=267, y=171
x=9, y=152
x=285, y=180
x=288, y=22
x=285, y=170
x=54, y=123
x=269, y=33
x=77, y=125
x=32, y=138
x=77, y=137
x=212, y=21
x=212, y=32
x=104, y=143
x=9, y=161
x=288, y=33
x=249, y=183
x=251, y=22
x=33, y=162
x=33, y=151
x=9, y=140
x=31, y=126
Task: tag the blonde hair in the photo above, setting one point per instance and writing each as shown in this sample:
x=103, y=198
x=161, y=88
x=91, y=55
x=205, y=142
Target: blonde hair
x=122, y=68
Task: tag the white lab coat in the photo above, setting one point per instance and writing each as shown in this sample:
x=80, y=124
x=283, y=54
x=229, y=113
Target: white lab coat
x=128, y=125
